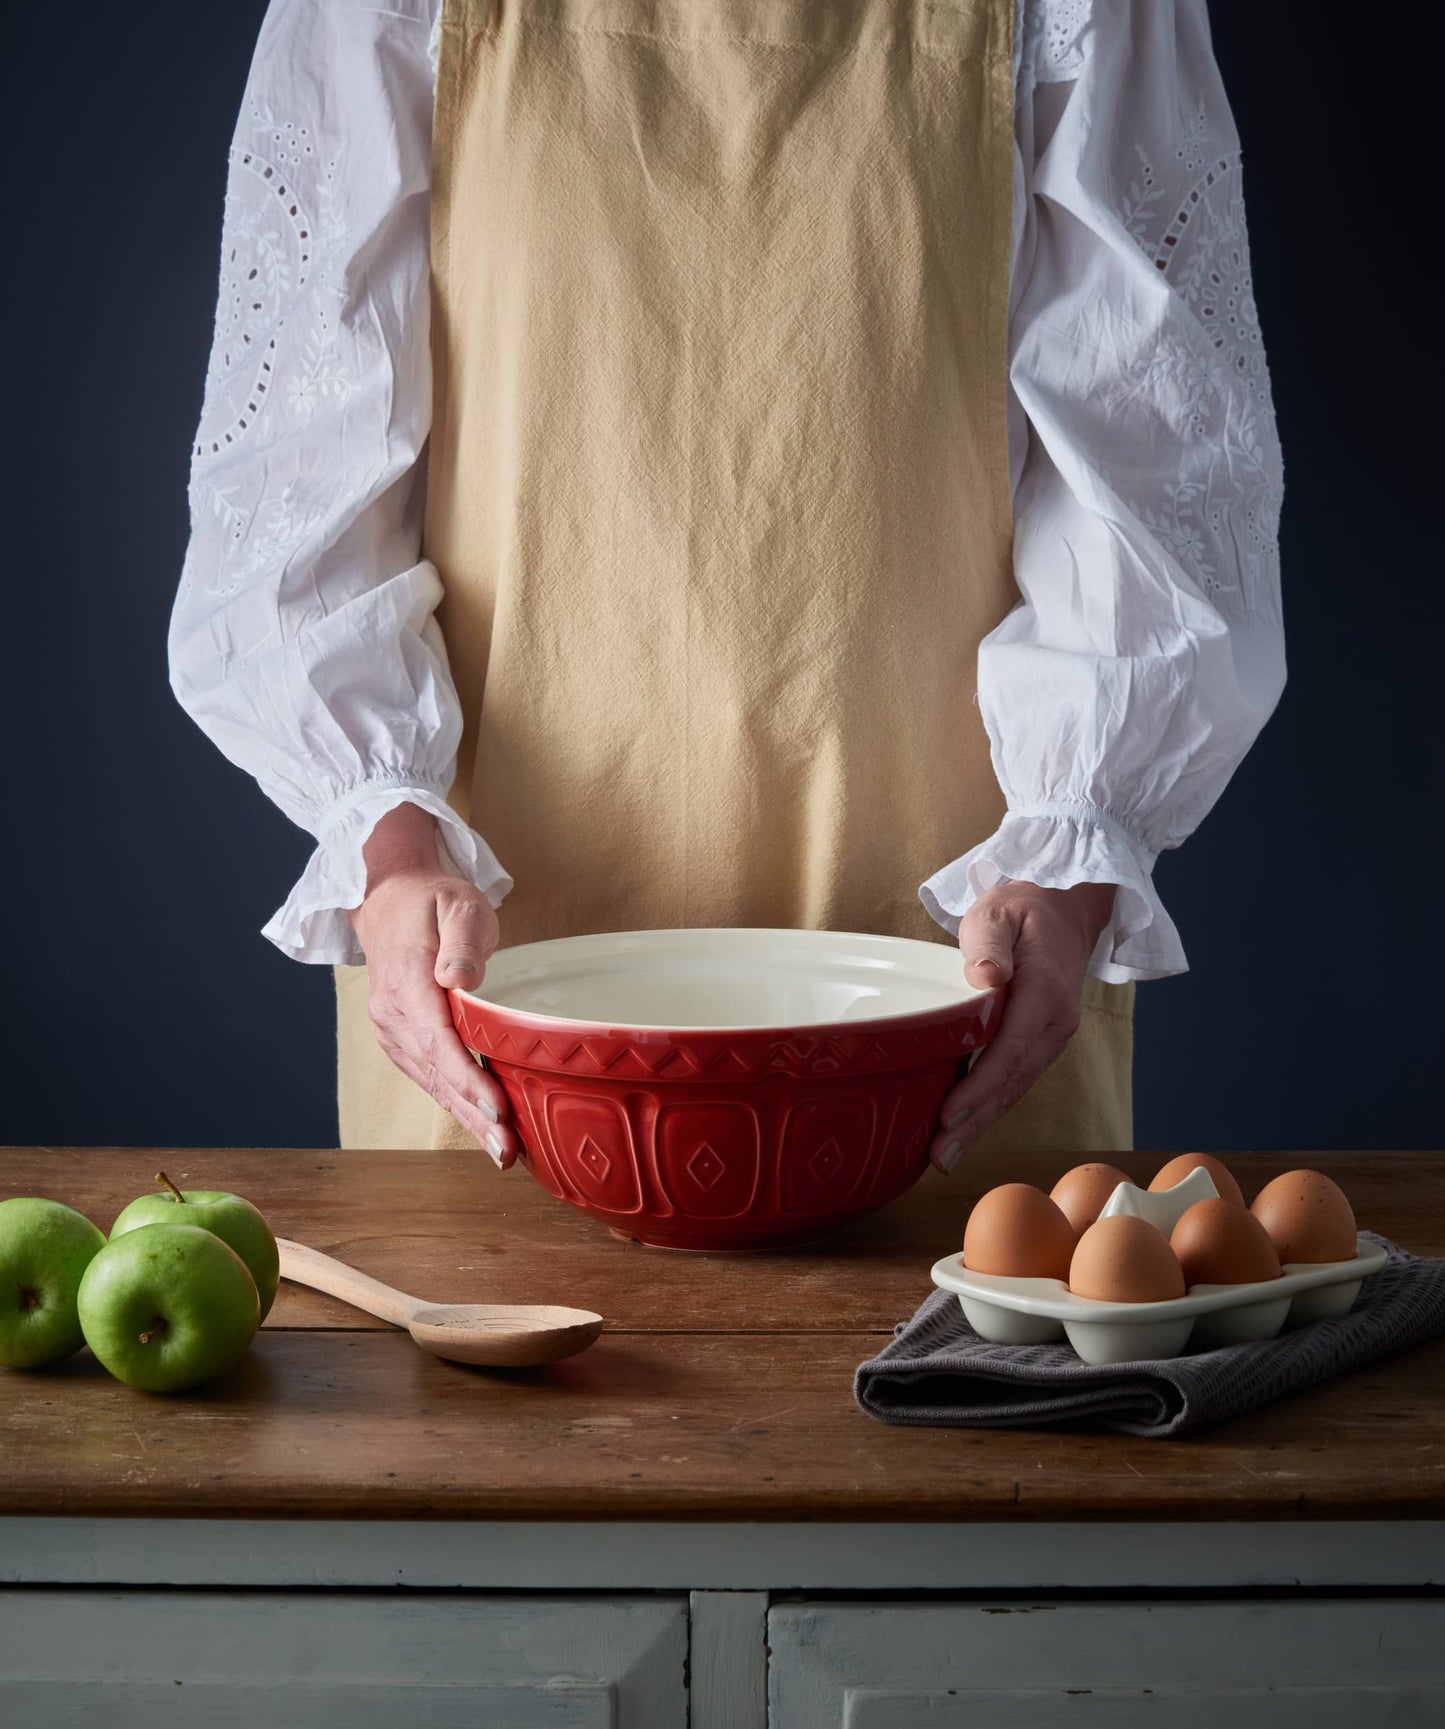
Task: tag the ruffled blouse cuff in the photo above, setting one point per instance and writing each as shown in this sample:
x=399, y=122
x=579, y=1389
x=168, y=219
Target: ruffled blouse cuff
x=312, y=925
x=1058, y=846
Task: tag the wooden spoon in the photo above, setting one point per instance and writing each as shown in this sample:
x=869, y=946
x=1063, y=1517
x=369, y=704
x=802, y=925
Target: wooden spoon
x=495, y=1335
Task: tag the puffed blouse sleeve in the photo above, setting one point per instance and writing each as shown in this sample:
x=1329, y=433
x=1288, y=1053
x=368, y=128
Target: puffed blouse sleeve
x=1146, y=650
x=303, y=639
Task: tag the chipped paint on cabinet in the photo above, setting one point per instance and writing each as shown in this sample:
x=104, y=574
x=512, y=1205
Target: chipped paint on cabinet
x=1352, y=1664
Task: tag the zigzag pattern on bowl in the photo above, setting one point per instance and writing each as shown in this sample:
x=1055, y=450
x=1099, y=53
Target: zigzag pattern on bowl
x=741, y=1055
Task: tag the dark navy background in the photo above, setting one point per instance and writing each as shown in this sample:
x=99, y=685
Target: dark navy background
x=141, y=1004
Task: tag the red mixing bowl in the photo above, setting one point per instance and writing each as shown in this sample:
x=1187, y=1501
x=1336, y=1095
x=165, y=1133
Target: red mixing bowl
x=729, y=1088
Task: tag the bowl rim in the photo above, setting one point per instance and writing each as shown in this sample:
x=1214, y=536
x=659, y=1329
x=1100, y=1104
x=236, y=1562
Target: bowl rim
x=972, y=999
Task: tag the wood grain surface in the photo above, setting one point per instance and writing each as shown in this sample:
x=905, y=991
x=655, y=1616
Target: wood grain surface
x=722, y=1388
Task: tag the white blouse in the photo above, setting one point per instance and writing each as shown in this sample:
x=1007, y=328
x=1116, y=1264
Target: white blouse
x=1119, y=695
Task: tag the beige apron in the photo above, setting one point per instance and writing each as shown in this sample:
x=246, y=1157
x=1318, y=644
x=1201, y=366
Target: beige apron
x=718, y=479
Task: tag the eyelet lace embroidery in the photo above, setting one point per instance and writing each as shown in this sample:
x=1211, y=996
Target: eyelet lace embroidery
x=1054, y=29
x=1220, y=518
x=1185, y=210
x=277, y=318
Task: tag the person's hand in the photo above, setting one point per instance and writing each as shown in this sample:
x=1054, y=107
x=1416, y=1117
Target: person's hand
x=1041, y=940
x=422, y=926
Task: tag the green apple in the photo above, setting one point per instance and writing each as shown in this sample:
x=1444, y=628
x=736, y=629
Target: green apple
x=45, y=1247
x=167, y=1306
x=232, y=1219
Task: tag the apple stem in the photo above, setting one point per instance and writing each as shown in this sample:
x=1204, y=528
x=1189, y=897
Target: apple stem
x=161, y=1177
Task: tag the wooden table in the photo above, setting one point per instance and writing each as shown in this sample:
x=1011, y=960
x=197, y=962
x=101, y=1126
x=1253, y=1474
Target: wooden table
x=709, y=1442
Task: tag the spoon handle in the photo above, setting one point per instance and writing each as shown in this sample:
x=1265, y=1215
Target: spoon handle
x=310, y=1267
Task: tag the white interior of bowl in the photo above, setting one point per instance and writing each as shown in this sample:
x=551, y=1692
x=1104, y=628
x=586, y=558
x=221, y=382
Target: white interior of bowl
x=725, y=978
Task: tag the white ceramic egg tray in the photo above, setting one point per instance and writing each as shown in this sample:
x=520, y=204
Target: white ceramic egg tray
x=1010, y=1311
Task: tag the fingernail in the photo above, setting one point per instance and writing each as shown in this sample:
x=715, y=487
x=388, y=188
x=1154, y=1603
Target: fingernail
x=957, y=1117
x=949, y=1156
x=494, y=1147
x=486, y=1106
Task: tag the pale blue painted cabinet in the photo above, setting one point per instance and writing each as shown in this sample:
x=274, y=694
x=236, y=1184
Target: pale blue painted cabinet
x=279, y=1660
x=375, y=1659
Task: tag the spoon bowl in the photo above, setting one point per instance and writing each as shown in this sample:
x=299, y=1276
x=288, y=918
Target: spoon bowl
x=503, y=1335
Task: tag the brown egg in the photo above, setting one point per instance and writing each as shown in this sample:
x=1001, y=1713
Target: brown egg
x=1222, y=1243
x=1017, y=1230
x=1125, y=1260
x=1307, y=1217
x=1080, y=1194
x=1178, y=1169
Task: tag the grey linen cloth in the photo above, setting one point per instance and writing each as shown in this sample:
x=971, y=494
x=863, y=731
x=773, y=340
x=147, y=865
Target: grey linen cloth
x=938, y=1371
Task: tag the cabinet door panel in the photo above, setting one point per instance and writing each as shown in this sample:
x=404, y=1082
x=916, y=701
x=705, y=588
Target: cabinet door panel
x=216, y=1659
x=1353, y=1663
